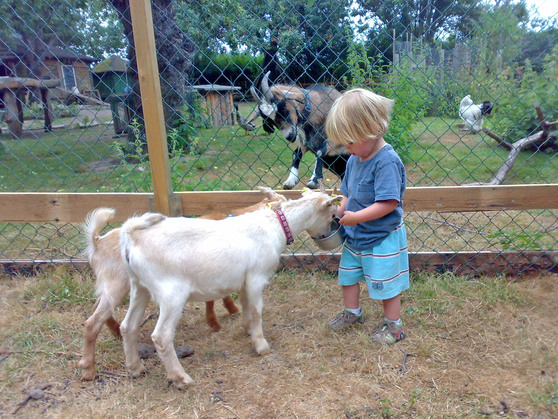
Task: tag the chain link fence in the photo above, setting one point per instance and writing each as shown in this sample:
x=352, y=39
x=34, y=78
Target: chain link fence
x=72, y=117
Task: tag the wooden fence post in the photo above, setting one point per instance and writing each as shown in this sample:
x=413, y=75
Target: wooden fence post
x=144, y=39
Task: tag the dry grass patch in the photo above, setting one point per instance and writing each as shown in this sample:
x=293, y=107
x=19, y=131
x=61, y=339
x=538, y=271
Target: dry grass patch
x=475, y=347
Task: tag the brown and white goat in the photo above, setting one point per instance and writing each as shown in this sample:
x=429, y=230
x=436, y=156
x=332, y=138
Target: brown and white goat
x=176, y=260
x=112, y=280
x=300, y=115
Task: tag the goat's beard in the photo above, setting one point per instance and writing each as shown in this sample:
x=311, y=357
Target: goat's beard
x=268, y=126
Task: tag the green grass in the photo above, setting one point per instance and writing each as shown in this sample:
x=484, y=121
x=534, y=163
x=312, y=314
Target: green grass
x=228, y=158
x=444, y=155
x=232, y=159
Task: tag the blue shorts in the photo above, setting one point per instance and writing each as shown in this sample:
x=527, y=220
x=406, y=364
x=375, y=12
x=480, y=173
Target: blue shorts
x=384, y=267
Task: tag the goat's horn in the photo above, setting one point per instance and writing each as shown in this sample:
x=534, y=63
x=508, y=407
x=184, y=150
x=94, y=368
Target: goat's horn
x=265, y=87
x=322, y=186
x=255, y=94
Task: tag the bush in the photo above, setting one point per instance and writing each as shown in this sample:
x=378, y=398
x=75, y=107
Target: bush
x=517, y=91
x=228, y=69
x=403, y=83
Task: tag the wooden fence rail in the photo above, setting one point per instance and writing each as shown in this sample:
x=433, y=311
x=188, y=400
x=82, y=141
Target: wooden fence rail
x=73, y=207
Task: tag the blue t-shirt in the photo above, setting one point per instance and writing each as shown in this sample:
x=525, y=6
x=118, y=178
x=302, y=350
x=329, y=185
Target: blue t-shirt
x=378, y=179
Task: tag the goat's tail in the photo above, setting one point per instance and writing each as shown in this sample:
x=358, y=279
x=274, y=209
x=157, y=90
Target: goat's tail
x=142, y=222
x=95, y=221
x=133, y=224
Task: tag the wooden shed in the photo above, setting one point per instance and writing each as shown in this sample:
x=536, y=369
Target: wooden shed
x=110, y=76
x=218, y=103
x=72, y=69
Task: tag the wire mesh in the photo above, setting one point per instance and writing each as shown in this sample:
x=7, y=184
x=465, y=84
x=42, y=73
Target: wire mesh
x=72, y=118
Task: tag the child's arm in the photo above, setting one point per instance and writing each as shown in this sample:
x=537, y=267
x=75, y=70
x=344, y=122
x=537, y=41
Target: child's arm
x=342, y=207
x=377, y=210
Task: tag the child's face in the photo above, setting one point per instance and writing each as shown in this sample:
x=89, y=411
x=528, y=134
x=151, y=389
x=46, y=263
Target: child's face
x=363, y=150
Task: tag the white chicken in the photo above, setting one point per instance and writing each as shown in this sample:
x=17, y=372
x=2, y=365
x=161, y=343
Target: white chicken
x=472, y=114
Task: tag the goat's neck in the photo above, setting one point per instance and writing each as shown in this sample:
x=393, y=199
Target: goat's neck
x=298, y=216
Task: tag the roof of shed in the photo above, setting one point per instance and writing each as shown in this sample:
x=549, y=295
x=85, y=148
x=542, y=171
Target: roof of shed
x=7, y=53
x=112, y=64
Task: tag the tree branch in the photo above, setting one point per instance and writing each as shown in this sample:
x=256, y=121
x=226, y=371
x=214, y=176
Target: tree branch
x=510, y=161
x=501, y=141
x=517, y=146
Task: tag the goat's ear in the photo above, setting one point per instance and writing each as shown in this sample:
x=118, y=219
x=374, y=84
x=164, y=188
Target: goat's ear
x=307, y=191
x=336, y=200
x=268, y=192
x=292, y=95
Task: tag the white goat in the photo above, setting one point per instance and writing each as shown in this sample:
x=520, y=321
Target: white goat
x=176, y=260
x=112, y=281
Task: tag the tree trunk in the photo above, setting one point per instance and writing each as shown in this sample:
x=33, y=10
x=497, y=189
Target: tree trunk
x=175, y=52
x=134, y=102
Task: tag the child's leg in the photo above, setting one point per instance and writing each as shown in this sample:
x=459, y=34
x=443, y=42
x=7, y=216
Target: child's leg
x=391, y=329
x=392, y=308
x=351, y=295
x=352, y=314
x=350, y=274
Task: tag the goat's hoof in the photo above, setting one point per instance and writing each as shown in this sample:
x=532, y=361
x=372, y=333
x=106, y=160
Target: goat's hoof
x=183, y=382
x=233, y=310
x=88, y=374
x=215, y=326
x=263, y=348
x=312, y=185
x=288, y=186
x=88, y=370
x=136, y=371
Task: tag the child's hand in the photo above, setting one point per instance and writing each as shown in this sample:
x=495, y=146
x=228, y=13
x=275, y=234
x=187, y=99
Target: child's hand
x=349, y=219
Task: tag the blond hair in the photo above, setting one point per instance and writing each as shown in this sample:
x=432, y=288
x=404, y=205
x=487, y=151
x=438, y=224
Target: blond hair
x=358, y=115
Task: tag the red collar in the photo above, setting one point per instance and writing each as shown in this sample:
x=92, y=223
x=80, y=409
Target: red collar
x=285, y=225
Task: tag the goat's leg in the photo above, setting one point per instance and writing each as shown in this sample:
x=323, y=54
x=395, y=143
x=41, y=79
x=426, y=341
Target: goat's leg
x=246, y=316
x=92, y=327
x=210, y=317
x=162, y=336
x=139, y=298
x=254, y=288
x=229, y=304
x=114, y=327
x=318, y=174
x=292, y=180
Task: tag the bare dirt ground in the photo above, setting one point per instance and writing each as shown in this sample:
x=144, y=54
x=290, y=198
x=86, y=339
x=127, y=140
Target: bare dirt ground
x=475, y=348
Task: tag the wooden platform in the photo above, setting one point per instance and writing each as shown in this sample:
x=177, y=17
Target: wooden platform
x=12, y=90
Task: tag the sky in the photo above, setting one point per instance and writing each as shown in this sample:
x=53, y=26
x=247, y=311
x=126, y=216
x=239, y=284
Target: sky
x=546, y=8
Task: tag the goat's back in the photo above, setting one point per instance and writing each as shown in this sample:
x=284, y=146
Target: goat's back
x=192, y=236
x=212, y=256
